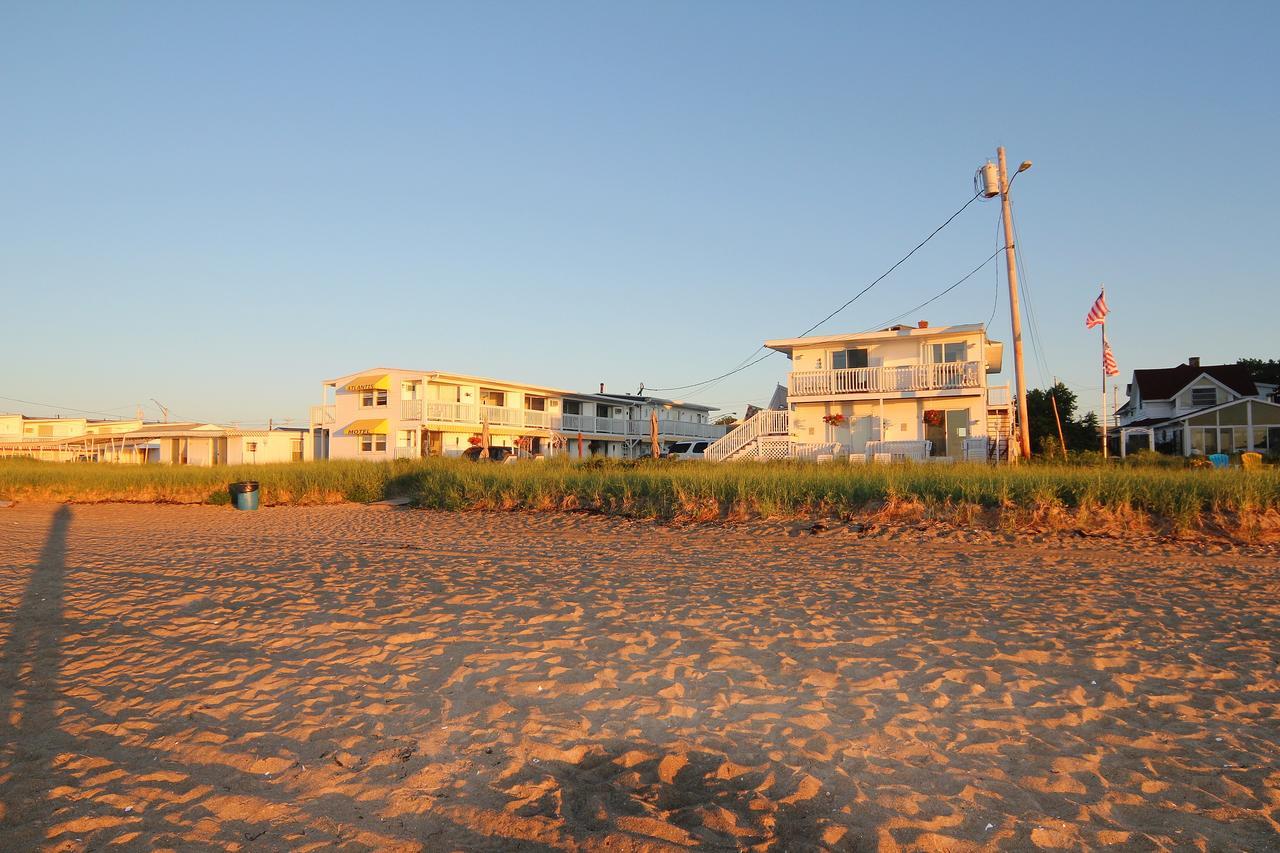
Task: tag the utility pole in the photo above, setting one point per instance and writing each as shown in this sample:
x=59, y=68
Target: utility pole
x=1024, y=428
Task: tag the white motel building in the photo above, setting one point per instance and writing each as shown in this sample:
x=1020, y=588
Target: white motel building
x=391, y=413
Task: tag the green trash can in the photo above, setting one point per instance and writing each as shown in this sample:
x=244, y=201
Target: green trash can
x=244, y=495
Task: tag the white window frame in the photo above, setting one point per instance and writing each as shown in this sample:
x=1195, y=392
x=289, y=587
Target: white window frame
x=373, y=443
x=373, y=398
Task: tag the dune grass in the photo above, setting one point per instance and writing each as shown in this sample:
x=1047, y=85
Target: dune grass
x=1184, y=498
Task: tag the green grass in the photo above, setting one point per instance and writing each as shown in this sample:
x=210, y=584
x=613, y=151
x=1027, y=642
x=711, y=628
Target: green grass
x=680, y=490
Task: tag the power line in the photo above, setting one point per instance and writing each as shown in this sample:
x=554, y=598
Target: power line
x=968, y=276
x=855, y=297
x=995, y=302
x=106, y=413
x=892, y=268
x=1037, y=339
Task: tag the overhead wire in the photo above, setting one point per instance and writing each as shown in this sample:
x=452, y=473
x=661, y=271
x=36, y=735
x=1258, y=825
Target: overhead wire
x=935, y=298
x=750, y=361
x=105, y=412
x=995, y=301
x=1037, y=339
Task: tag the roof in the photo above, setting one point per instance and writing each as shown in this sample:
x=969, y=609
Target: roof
x=1257, y=401
x=440, y=374
x=483, y=380
x=1165, y=382
x=644, y=398
x=786, y=345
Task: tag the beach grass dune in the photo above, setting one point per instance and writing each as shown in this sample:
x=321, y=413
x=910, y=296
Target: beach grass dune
x=1239, y=502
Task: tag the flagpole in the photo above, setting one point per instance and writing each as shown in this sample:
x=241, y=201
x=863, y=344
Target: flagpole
x=1103, y=409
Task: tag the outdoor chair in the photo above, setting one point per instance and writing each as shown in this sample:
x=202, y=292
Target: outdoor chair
x=1251, y=459
x=1220, y=460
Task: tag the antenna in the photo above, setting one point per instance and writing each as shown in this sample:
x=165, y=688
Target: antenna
x=163, y=410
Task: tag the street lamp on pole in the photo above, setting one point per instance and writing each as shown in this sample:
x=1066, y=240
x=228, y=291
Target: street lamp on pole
x=990, y=181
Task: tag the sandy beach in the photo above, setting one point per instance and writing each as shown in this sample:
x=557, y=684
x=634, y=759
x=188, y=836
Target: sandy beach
x=349, y=678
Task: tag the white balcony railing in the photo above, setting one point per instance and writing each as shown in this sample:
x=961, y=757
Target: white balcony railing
x=885, y=380
x=463, y=413
x=998, y=395
x=407, y=453
x=538, y=420
x=429, y=411
x=322, y=416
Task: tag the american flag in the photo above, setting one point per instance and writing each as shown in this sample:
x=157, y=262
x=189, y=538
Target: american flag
x=1098, y=313
x=1109, y=360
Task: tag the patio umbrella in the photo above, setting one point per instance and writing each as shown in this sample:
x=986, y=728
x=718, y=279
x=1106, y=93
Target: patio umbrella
x=484, y=438
x=653, y=433
x=579, y=445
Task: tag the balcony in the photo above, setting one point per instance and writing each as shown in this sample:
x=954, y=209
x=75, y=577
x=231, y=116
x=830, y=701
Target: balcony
x=944, y=376
x=431, y=412
x=593, y=425
x=322, y=417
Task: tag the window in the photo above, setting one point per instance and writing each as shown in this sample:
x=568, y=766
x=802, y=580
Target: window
x=572, y=407
x=295, y=449
x=492, y=398
x=535, y=404
x=373, y=443
x=373, y=397
x=602, y=411
x=1204, y=397
x=848, y=358
x=943, y=353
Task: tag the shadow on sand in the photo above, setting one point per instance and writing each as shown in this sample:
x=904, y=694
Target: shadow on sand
x=29, y=669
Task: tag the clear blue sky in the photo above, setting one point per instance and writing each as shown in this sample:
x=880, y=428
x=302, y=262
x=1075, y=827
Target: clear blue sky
x=220, y=205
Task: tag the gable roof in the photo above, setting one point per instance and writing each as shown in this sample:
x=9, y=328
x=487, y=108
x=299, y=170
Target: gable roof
x=1165, y=382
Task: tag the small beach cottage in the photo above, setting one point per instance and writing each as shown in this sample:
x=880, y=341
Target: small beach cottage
x=1195, y=409
x=913, y=391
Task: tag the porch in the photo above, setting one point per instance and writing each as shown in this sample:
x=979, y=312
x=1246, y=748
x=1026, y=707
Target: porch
x=830, y=384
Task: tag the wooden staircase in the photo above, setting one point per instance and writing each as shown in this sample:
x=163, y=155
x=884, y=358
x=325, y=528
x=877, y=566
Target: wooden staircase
x=764, y=435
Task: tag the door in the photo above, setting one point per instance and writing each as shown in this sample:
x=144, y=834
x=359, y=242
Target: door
x=957, y=429
x=947, y=430
x=434, y=443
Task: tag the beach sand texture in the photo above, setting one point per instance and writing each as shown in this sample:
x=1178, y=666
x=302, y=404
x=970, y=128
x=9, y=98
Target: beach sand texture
x=344, y=678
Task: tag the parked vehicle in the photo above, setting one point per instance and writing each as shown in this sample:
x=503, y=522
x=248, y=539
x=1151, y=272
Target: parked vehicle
x=686, y=450
x=497, y=453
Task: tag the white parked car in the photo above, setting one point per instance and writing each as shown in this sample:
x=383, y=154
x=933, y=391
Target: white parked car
x=686, y=450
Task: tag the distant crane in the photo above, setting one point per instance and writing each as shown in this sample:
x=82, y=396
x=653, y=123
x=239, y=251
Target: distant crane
x=164, y=412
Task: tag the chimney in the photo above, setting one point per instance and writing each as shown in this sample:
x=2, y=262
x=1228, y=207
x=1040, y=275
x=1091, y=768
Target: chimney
x=601, y=387
x=924, y=324
x=1194, y=361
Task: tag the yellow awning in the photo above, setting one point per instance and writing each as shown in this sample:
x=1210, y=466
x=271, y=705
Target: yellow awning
x=369, y=427
x=369, y=383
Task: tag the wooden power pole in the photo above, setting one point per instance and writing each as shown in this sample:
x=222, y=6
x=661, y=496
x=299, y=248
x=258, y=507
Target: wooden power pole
x=1024, y=428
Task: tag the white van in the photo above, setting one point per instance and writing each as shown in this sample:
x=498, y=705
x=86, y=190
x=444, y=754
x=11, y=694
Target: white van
x=686, y=450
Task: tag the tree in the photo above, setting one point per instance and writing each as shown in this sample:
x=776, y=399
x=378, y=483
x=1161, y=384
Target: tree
x=1080, y=434
x=1267, y=371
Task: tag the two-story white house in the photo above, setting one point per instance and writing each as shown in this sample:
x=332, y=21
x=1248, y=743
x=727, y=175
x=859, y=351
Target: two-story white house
x=898, y=387
x=385, y=413
x=1202, y=409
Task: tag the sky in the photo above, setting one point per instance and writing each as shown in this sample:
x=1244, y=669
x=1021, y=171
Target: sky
x=219, y=206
